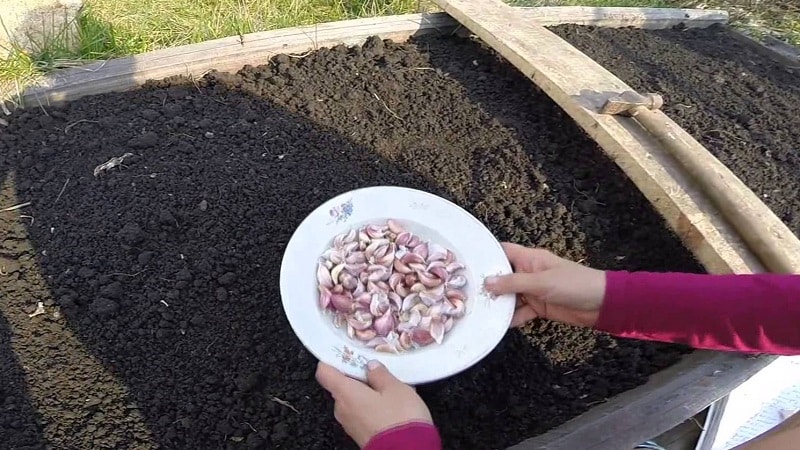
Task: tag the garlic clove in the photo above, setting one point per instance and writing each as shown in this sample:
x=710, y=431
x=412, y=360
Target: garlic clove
x=336, y=271
x=324, y=297
x=384, y=324
x=402, y=290
x=403, y=238
x=413, y=242
x=437, y=330
x=366, y=335
x=349, y=248
x=436, y=252
x=386, y=348
x=349, y=282
x=342, y=303
x=409, y=301
x=455, y=293
x=405, y=341
x=396, y=300
x=394, y=226
x=323, y=276
x=356, y=268
x=457, y=281
x=364, y=299
x=421, y=337
x=374, y=342
x=421, y=250
x=357, y=324
x=400, y=267
x=454, y=267
x=429, y=280
x=356, y=258
x=448, y=324
x=351, y=332
x=394, y=280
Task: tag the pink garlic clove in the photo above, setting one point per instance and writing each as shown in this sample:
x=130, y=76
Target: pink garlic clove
x=420, y=308
x=328, y=264
x=429, y=280
x=437, y=291
x=349, y=282
x=436, y=310
x=324, y=297
x=437, y=330
x=339, y=319
x=374, y=246
x=394, y=226
x=359, y=324
x=410, y=279
x=386, y=348
x=352, y=236
x=395, y=299
x=409, y=302
x=448, y=324
x=412, y=258
x=363, y=277
x=413, y=242
x=379, y=304
x=454, y=267
x=375, y=231
x=374, y=342
x=421, y=250
x=342, y=303
x=338, y=241
x=402, y=290
x=405, y=341
x=366, y=335
x=380, y=252
x=380, y=273
x=421, y=337
x=359, y=289
x=323, y=276
x=400, y=267
x=414, y=317
x=417, y=287
x=385, y=323
x=454, y=293
x=404, y=327
x=457, y=281
x=450, y=257
x=363, y=237
x=425, y=323
x=364, y=299
x=355, y=269
x=458, y=307
x=338, y=289
x=383, y=286
x=436, y=252
x=349, y=248
x=356, y=258
x=417, y=267
x=351, y=332
x=403, y=238
x=395, y=280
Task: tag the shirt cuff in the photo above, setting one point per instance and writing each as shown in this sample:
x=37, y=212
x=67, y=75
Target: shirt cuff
x=416, y=435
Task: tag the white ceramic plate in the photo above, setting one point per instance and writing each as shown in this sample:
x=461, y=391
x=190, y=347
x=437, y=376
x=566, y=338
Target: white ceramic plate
x=432, y=218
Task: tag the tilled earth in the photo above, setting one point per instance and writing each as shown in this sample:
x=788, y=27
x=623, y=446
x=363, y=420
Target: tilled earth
x=162, y=324
x=743, y=107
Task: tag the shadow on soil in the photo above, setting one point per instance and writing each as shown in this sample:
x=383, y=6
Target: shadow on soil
x=166, y=270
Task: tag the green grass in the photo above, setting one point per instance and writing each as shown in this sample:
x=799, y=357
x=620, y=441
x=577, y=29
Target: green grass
x=114, y=28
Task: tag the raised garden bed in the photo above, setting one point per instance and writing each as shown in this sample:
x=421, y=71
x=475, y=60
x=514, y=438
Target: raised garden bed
x=163, y=324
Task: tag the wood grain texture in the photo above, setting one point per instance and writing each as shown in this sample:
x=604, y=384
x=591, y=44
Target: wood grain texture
x=581, y=86
x=669, y=398
x=647, y=18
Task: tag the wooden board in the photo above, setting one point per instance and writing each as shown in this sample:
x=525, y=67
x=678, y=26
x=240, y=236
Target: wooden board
x=231, y=53
x=581, y=86
x=666, y=400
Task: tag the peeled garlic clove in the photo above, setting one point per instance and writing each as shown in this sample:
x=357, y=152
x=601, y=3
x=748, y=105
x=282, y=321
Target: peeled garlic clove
x=324, y=297
x=421, y=337
x=409, y=302
x=394, y=226
x=323, y=276
x=457, y=281
x=429, y=280
x=421, y=250
x=342, y=303
x=366, y=335
x=356, y=258
x=336, y=272
x=384, y=324
x=437, y=330
x=405, y=341
x=395, y=299
x=403, y=238
x=400, y=267
x=436, y=252
x=386, y=348
x=359, y=323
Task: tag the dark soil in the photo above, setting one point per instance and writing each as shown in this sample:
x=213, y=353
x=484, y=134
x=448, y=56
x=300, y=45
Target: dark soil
x=163, y=326
x=740, y=105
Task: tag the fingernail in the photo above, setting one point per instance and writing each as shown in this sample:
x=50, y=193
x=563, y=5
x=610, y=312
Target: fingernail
x=490, y=280
x=374, y=364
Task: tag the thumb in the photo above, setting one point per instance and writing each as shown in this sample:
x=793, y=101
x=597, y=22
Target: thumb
x=518, y=283
x=379, y=377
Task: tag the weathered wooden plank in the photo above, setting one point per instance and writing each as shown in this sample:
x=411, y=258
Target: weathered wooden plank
x=667, y=399
x=647, y=18
x=231, y=53
x=581, y=86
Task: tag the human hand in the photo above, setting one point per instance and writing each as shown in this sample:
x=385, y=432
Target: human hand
x=364, y=410
x=550, y=287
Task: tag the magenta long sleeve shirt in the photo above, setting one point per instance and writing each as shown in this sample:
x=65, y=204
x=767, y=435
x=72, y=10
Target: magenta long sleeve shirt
x=745, y=313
